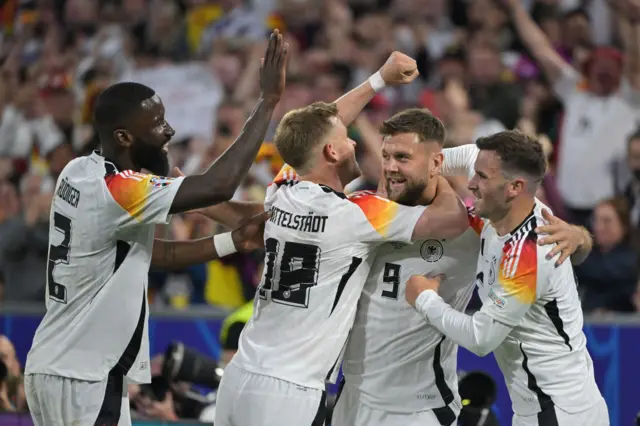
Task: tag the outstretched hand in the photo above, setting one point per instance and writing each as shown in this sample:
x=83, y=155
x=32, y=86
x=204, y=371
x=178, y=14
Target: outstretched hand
x=273, y=69
x=250, y=234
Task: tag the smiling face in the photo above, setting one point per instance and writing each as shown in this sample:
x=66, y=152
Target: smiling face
x=510, y=166
x=411, y=154
x=489, y=186
x=408, y=165
x=147, y=136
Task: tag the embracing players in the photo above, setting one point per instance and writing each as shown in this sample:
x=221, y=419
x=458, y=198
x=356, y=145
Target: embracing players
x=318, y=244
x=399, y=371
x=413, y=159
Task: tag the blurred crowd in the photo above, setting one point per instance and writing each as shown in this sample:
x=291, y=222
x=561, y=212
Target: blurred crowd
x=565, y=70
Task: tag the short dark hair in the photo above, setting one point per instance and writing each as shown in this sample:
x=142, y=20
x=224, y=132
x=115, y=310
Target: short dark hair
x=415, y=120
x=518, y=153
x=117, y=102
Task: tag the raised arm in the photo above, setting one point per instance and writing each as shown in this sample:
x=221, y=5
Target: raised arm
x=536, y=41
x=399, y=69
x=445, y=217
x=220, y=182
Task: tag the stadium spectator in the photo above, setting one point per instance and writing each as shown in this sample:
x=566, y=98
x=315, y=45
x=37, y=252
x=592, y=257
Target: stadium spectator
x=632, y=190
x=608, y=276
x=601, y=104
x=24, y=238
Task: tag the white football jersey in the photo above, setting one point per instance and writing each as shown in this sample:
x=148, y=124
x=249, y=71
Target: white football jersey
x=394, y=360
x=101, y=240
x=318, y=243
x=544, y=358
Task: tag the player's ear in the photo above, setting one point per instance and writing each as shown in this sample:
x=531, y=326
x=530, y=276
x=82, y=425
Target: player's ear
x=438, y=160
x=330, y=154
x=516, y=187
x=123, y=137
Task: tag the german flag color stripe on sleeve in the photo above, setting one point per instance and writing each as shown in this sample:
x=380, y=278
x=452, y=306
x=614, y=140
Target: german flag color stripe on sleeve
x=379, y=211
x=287, y=174
x=130, y=190
x=518, y=268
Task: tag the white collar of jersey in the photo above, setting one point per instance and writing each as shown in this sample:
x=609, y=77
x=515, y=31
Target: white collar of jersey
x=109, y=165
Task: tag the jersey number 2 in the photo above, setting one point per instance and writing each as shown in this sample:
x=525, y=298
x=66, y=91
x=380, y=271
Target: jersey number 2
x=59, y=254
x=298, y=272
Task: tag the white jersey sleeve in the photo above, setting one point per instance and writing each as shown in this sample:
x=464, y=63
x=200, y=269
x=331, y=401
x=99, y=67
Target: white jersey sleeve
x=379, y=219
x=567, y=83
x=460, y=161
x=141, y=198
x=519, y=278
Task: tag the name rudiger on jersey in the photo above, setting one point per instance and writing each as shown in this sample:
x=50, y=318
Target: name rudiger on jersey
x=68, y=193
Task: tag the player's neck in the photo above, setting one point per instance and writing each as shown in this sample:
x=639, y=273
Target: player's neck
x=121, y=160
x=324, y=177
x=520, y=209
x=429, y=193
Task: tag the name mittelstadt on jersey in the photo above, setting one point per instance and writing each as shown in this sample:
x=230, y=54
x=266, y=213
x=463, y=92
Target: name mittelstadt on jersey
x=303, y=223
x=68, y=193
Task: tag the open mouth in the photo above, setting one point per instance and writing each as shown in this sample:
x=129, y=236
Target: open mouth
x=165, y=147
x=396, y=183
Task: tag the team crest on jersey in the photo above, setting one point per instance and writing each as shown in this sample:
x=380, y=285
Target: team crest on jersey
x=431, y=250
x=160, y=182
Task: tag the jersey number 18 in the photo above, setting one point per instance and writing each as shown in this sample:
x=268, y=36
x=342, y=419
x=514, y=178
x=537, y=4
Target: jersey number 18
x=297, y=272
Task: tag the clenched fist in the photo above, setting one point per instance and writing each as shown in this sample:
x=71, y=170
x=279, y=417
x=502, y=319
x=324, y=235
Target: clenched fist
x=417, y=284
x=399, y=69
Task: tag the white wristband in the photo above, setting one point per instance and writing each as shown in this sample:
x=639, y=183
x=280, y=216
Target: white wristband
x=377, y=82
x=224, y=244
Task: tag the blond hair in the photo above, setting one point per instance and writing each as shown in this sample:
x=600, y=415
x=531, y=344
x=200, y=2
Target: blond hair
x=301, y=130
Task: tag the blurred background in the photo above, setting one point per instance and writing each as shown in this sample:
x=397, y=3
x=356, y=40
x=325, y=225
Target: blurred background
x=481, y=71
